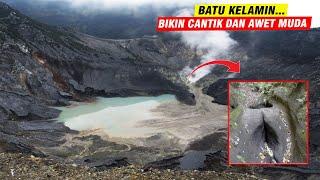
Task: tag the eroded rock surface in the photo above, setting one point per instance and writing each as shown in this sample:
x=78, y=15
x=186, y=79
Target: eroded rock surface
x=262, y=128
x=43, y=66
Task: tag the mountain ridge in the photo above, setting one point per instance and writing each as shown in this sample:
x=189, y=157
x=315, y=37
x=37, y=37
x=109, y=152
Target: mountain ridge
x=42, y=66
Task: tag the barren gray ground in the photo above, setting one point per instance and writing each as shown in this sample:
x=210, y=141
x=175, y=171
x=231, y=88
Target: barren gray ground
x=178, y=126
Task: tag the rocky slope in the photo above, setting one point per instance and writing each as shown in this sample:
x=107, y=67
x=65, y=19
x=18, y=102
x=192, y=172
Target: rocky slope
x=280, y=55
x=42, y=66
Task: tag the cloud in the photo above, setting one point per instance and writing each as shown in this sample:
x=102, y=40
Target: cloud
x=213, y=44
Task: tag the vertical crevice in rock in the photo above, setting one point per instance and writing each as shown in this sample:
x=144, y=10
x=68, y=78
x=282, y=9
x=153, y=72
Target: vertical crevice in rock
x=271, y=137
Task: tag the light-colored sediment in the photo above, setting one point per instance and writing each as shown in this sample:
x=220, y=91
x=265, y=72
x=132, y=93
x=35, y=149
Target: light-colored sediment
x=173, y=123
x=118, y=121
x=180, y=123
x=189, y=123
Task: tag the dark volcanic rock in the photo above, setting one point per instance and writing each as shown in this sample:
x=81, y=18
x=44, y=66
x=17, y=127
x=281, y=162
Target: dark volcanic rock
x=216, y=161
x=215, y=141
x=105, y=164
x=261, y=122
x=167, y=163
x=20, y=106
x=42, y=66
x=277, y=55
x=218, y=90
x=281, y=55
x=269, y=123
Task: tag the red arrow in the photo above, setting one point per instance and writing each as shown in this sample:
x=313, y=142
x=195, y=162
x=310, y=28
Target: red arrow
x=231, y=65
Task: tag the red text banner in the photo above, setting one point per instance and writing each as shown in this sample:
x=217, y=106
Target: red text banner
x=233, y=24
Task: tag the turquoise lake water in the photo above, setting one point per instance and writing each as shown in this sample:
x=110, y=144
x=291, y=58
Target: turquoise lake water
x=117, y=116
